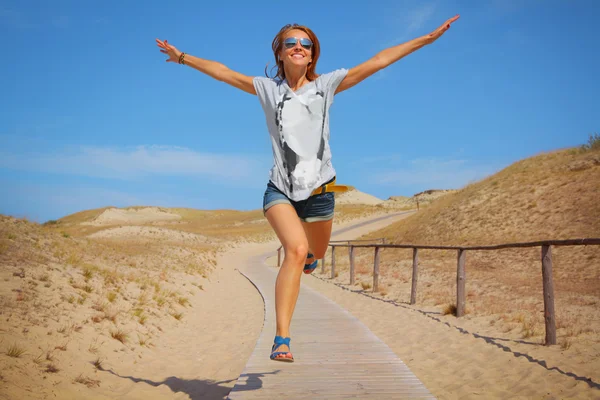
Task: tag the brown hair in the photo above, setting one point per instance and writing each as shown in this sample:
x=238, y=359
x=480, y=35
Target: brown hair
x=311, y=75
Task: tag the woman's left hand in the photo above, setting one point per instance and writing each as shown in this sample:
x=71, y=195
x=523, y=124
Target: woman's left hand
x=435, y=35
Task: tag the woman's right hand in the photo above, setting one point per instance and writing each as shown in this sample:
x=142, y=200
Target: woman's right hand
x=169, y=50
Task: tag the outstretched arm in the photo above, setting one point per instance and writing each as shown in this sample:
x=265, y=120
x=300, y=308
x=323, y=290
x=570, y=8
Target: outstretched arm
x=390, y=56
x=210, y=68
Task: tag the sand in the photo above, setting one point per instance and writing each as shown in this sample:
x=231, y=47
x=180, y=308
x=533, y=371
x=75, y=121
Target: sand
x=201, y=355
x=151, y=233
x=454, y=359
x=114, y=216
x=197, y=357
x=356, y=197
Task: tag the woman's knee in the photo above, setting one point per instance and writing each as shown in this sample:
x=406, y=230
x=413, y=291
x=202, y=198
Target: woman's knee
x=297, y=251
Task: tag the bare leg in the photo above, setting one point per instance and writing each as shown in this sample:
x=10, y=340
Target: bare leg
x=287, y=226
x=318, y=234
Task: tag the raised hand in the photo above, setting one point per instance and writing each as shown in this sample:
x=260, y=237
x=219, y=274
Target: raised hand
x=433, y=36
x=169, y=50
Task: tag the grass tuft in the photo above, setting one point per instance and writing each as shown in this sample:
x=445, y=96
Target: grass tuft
x=87, y=274
x=119, y=335
x=593, y=143
x=183, y=301
x=112, y=296
x=142, y=341
x=98, y=364
x=15, y=351
x=61, y=348
x=51, y=368
x=161, y=301
x=177, y=316
x=84, y=380
x=566, y=343
x=450, y=309
x=88, y=289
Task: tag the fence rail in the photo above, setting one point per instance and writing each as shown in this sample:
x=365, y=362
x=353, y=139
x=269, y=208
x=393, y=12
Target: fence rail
x=546, y=259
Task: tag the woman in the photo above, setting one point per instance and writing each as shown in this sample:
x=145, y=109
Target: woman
x=299, y=199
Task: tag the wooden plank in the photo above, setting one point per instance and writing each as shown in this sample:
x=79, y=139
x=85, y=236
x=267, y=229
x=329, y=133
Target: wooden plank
x=279, y=256
x=336, y=355
x=376, y=270
x=351, y=255
x=566, y=242
x=332, y=262
x=415, y=276
x=460, y=283
x=548, y=289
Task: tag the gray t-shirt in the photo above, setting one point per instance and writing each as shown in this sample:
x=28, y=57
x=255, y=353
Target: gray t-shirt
x=298, y=124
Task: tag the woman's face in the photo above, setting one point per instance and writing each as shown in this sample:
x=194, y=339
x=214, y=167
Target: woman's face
x=298, y=55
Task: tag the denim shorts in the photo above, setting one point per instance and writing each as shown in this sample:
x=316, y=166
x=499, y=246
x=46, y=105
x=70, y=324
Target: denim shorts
x=318, y=207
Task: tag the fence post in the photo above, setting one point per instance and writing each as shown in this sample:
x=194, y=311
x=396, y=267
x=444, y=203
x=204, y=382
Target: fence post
x=460, y=284
x=332, y=262
x=279, y=257
x=415, y=274
x=548, y=288
x=351, y=264
x=376, y=271
x=323, y=262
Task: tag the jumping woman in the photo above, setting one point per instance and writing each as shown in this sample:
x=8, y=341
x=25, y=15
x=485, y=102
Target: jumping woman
x=299, y=199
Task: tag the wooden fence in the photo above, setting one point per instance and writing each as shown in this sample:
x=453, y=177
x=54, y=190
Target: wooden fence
x=546, y=259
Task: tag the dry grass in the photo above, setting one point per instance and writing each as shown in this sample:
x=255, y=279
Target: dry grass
x=62, y=347
x=450, y=309
x=57, y=279
x=15, y=351
x=550, y=196
x=111, y=297
x=142, y=319
x=65, y=271
x=119, y=335
x=177, y=315
x=51, y=368
x=183, y=301
x=98, y=364
x=89, y=382
x=534, y=199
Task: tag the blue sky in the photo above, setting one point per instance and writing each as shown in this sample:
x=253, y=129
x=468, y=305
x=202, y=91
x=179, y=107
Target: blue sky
x=91, y=115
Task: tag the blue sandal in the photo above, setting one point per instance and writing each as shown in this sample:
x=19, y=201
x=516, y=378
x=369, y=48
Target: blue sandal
x=309, y=268
x=278, y=342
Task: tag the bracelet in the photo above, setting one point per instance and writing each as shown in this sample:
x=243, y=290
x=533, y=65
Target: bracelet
x=181, y=58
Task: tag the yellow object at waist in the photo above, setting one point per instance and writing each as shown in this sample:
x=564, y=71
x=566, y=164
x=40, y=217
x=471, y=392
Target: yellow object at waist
x=331, y=187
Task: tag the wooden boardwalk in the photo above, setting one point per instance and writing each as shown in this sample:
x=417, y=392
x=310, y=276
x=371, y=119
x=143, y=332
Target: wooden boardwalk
x=336, y=355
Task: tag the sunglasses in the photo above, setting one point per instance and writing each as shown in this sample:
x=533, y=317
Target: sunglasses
x=292, y=41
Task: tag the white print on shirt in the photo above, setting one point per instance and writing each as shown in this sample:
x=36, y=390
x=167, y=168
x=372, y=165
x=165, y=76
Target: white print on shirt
x=300, y=119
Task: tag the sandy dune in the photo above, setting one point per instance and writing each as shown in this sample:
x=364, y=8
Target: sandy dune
x=457, y=358
x=201, y=355
x=132, y=216
x=356, y=197
x=152, y=233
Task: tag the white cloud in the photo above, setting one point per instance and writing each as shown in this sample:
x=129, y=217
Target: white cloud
x=413, y=19
x=41, y=202
x=417, y=18
x=434, y=173
x=379, y=159
x=140, y=161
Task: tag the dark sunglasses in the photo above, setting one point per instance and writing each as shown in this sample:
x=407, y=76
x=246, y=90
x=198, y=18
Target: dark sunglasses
x=292, y=41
